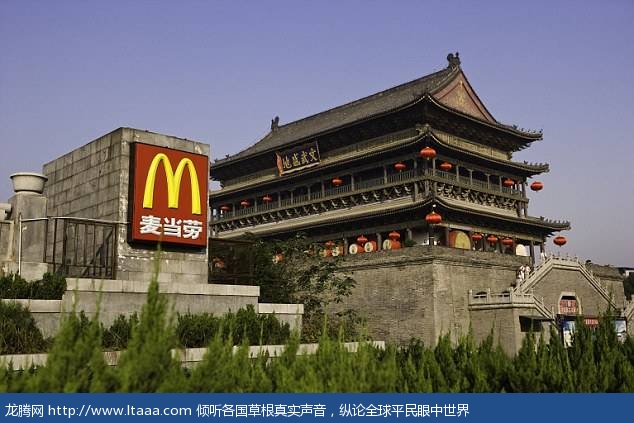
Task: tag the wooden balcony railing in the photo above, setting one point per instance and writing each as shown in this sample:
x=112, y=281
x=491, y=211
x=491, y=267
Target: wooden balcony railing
x=360, y=187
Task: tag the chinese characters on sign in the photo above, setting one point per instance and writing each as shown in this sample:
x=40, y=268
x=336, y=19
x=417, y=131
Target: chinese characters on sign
x=171, y=227
x=297, y=158
x=168, y=196
x=568, y=306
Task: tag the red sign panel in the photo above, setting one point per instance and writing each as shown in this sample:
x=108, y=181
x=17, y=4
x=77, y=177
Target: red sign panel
x=168, y=196
x=568, y=306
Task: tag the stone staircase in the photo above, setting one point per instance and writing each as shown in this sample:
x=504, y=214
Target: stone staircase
x=563, y=262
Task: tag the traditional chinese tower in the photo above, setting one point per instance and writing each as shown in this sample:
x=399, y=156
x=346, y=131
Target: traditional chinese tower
x=424, y=162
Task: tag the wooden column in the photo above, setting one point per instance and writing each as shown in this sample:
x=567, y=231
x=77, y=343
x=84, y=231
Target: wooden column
x=379, y=242
x=446, y=236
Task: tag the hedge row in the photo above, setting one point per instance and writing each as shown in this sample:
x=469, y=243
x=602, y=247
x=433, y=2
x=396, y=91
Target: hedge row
x=50, y=287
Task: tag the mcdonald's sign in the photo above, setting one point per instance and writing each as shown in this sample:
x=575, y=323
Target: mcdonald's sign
x=168, y=196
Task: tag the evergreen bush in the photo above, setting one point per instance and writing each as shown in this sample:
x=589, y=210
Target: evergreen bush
x=50, y=287
x=19, y=333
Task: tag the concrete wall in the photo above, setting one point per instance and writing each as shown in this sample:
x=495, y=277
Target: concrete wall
x=93, y=182
x=116, y=297
x=422, y=291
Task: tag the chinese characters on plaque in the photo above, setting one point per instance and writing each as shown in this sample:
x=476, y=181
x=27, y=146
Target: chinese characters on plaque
x=297, y=158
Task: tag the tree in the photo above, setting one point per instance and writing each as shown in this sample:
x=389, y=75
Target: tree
x=294, y=271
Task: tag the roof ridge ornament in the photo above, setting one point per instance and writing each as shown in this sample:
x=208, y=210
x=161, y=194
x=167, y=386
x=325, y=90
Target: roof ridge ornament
x=275, y=123
x=454, y=60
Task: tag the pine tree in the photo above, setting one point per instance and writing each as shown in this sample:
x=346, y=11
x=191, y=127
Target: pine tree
x=148, y=362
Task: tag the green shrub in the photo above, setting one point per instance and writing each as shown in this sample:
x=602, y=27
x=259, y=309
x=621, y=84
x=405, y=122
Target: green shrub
x=13, y=286
x=118, y=335
x=197, y=330
x=18, y=332
x=50, y=287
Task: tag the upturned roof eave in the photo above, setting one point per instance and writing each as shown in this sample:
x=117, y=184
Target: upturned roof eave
x=529, y=169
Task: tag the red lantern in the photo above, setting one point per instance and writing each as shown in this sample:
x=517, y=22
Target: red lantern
x=560, y=240
x=329, y=244
x=537, y=186
x=337, y=182
x=400, y=166
x=394, y=235
x=507, y=242
x=244, y=203
x=225, y=208
x=508, y=182
x=446, y=166
x=427, y=153
x=433, y=218
x=267, y=198
x=492, y=239
x=362, y=240
x=476, y=237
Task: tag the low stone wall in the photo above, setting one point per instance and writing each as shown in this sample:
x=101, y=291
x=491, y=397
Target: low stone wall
x=189, y=357
x=115, y=297
x=285, y=313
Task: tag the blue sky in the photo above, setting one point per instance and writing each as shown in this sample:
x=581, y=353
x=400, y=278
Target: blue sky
x=219, y=71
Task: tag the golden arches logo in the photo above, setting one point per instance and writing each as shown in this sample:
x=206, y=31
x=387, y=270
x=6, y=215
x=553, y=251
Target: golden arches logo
x=173, y=182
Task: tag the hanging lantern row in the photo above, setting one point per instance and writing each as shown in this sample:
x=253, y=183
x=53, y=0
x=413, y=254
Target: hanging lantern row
x=427, y=153
x=508, y=242
x=394, y=235
x=476, y=237
x=560, y=240
x=400, y=166
x=508, y=182
x=446, y=166
x=492, y=239
x=537, y=186
x=225, y=208
x=267, y=198
x=337, y=182
x=245, y=203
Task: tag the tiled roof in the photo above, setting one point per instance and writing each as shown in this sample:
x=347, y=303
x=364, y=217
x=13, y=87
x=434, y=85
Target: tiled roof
x=358, y=110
